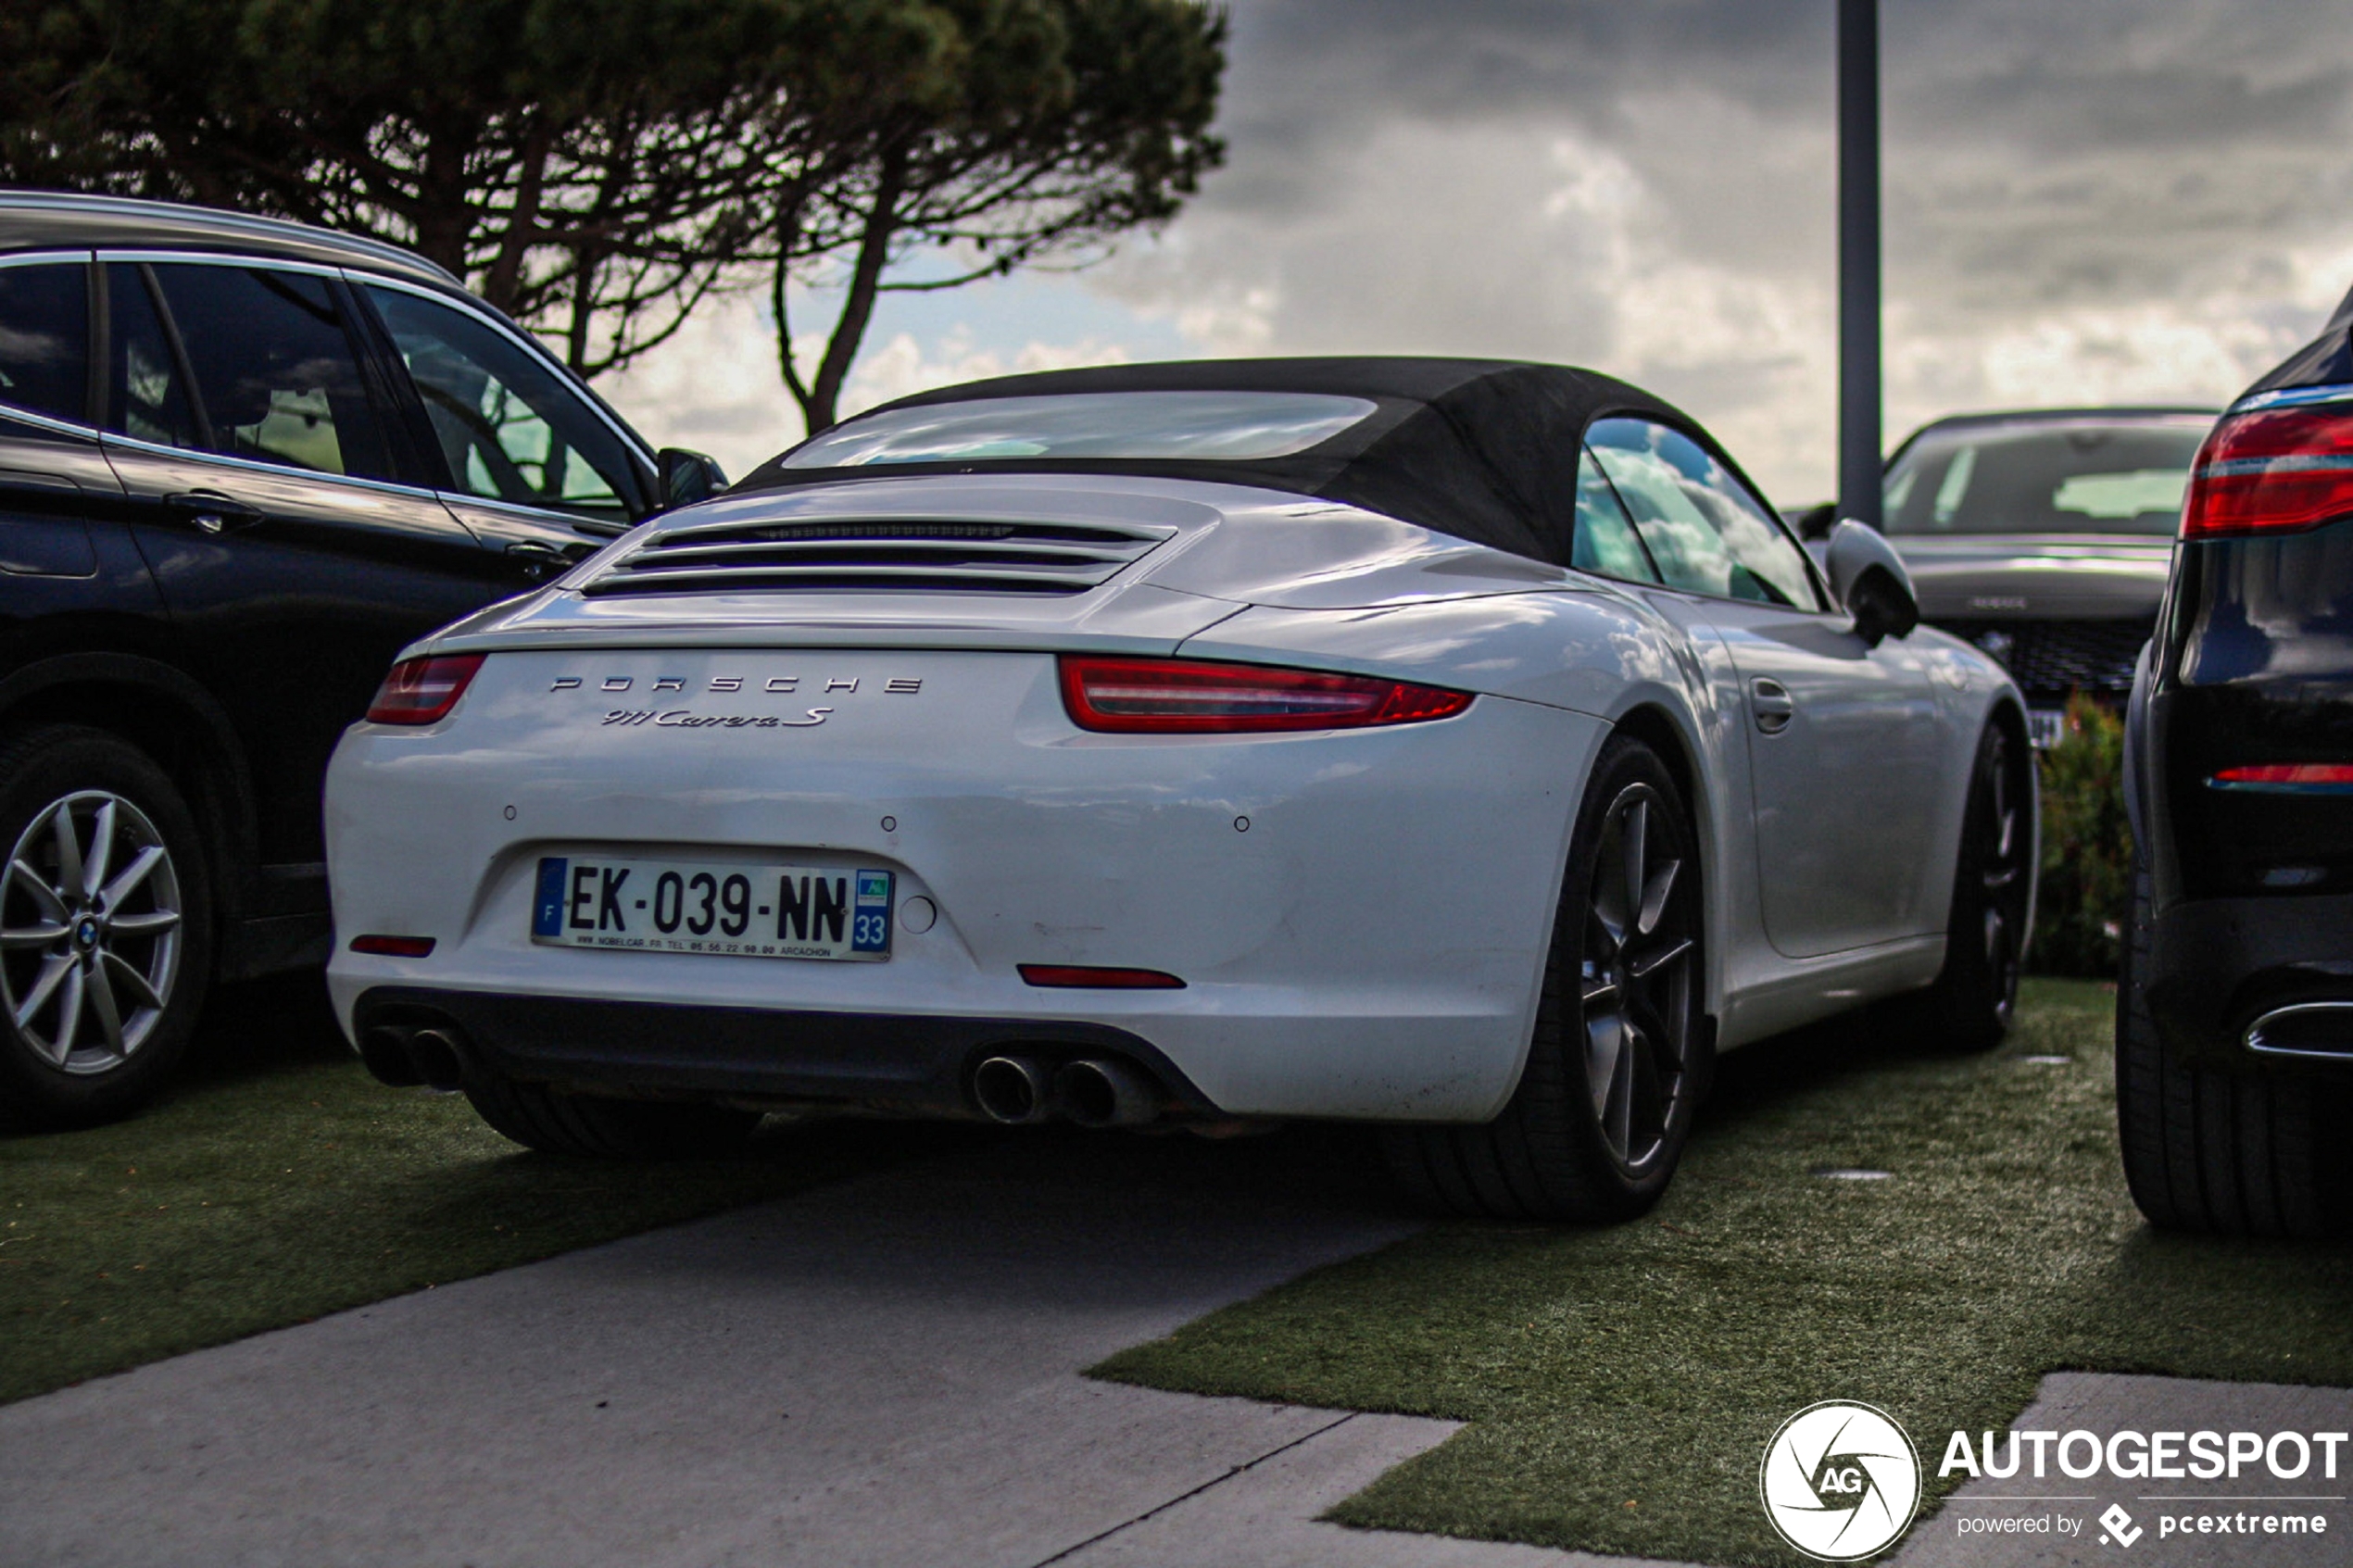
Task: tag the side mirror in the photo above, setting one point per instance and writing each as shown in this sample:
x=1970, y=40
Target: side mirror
x=686, y=477
x=1812, y=523
x=1870, y=580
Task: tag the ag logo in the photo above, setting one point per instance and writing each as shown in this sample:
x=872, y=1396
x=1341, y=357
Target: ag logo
x=1840, y=1481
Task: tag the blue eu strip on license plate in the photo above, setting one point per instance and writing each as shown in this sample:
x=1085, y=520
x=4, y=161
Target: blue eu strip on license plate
x=547, y=905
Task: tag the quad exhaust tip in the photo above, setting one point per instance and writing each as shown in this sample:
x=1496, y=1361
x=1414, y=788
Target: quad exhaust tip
x=405, y=1057
x=1095, y=1093
x=1013, y=1090
x=1019, y=1091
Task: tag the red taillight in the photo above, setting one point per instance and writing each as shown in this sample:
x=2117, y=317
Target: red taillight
x=1190, y=697
x=1086, y=976
x=2289, y=778
x=421, y=690
x=394, y=947
x=2272, y=470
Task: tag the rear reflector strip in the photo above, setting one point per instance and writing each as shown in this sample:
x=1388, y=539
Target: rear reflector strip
x=2287, y=778
x=1076, y=976
x=394, y=947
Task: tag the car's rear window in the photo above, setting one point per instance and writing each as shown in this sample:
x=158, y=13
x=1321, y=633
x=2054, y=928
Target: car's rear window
x=1162, y=426
x=2087, y=478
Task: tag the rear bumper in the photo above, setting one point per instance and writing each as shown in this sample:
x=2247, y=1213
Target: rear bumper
x=2216, y=965
x=915, y=1065
x=1359, y=917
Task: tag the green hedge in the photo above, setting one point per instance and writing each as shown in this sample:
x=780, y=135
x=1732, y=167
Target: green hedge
x=2087, y=846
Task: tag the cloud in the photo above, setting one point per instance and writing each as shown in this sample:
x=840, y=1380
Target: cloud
x=2105, y=200
x=2109, y=200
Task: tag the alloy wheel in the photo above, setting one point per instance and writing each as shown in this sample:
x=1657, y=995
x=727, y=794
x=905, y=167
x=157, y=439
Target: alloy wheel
x=1640, y=937
x=90, y=932
x=2004, y=875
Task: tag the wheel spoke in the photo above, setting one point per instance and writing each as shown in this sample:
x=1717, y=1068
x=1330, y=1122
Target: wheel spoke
x=1647, y=964
x=135, y=985
x=100, y=991
x=1638, y=823
x=1655, y=892
x=154, y=923
x=1620, y=1118
x=31, y=882
x=135, y=873
x=68, y=1012
x=33, y=935
x=1604, y=1044
x=68, y=847
x=94, y=874
x=53, y=975
x=1598, y=991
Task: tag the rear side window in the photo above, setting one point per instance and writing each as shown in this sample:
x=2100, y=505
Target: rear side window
x=1706, y=531
x=45, y=339
x=274, y=374
x=509, y=428
x=1606, y=542
x=147, y=391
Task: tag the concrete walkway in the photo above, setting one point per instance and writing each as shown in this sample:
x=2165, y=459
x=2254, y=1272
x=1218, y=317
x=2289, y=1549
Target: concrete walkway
x=879, y=1373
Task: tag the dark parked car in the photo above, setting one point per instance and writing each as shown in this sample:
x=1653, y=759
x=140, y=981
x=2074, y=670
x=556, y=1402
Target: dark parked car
x=2234, y=1020
x=2044, y=537
x=241, y=463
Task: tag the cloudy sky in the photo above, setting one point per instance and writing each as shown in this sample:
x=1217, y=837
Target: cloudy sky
x=2093, y=201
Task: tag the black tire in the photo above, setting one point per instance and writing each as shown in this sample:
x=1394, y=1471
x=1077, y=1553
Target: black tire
x=94, y=1043
x=1973, y=1001
x=2209, y=1149
x=1592, y=1133
x=593, y=1127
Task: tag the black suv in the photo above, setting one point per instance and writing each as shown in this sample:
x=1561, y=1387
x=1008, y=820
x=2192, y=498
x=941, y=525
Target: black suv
x=241, y=463
x=2234, y=1019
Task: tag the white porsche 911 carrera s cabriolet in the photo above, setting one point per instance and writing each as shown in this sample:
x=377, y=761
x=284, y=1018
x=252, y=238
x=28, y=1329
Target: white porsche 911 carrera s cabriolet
x=1459, y=745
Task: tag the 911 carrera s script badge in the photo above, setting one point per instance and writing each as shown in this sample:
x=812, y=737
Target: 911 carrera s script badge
x=684, y=718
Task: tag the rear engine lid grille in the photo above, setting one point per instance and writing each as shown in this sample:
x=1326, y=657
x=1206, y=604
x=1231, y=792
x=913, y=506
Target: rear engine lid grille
x=880, y=555
x=2050, y=659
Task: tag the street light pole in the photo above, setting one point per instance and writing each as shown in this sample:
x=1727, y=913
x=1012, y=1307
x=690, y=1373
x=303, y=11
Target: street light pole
x=1859, y=278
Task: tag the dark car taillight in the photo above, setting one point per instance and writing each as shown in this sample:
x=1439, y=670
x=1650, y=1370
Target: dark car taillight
x=1193, y=696
x=2272, y=471
x=422, y=691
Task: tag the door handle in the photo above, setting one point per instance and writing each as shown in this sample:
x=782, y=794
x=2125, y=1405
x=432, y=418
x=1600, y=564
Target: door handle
x=1772, y=704
x=213, y=512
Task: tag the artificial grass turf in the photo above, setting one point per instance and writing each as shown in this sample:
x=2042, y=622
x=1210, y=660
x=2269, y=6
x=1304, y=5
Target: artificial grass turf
x=279, y=1182
x=1622, y=1384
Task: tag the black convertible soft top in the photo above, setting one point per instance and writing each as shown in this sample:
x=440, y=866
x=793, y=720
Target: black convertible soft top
x=1482, y=450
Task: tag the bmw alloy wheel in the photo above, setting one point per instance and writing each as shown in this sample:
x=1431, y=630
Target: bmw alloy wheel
x=1636, y=979
x=90, y=932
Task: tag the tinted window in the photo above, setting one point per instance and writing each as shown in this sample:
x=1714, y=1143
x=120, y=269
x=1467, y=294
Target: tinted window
x=1606, y=542
x=45, y=339
x=146, y=396
x=1201, y=426
x=1706, y=533
x=275, y=377
x=509, y=429
x=2066, y=479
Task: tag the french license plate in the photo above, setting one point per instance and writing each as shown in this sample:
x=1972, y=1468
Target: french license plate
x=689, y=907
x=2045, y=727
